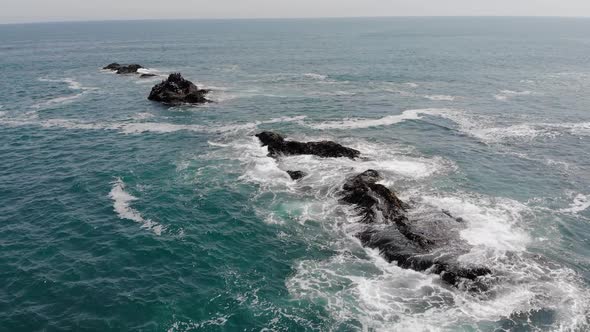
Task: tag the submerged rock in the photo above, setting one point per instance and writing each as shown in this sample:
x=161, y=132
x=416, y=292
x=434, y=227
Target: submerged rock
x=176, y=90
x=277, y=145
x=147, y=75
x=123, y=69
x=428, y=242
x=296, y=175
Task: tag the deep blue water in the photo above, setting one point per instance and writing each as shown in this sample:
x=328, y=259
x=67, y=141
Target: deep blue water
x=120, y=214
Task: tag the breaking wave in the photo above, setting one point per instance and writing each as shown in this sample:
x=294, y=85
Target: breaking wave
x=385, y=121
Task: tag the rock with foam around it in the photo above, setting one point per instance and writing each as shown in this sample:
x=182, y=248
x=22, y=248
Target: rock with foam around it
x=176, y=90
x=425, y=242
x=277, y=145
x=123, y=69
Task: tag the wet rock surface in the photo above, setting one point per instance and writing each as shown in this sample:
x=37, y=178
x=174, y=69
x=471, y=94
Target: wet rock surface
x=423, y=242
x=277, y=145
x=296, y=175
x=176, y=90
x=123, y=69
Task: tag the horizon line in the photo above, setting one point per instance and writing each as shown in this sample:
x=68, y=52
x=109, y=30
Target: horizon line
x=280, y=18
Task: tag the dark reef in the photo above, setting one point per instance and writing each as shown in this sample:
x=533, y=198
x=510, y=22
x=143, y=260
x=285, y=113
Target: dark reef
x=428, y=243
x=123, y=69
x=277, y=145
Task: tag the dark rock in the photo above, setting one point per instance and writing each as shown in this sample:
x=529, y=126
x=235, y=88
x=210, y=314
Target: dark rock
x=130, y=69
x=428, y=243
x=113, y=66
x=296, y=175
x=147, y=75
x=123, y=69
x=176, y=90
x=277, y=145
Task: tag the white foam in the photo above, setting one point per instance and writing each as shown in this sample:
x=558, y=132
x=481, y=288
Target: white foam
x=506, y=94
x=384, y=297
x=485, y=130
x=258, y=167
x=72, y=85
x=491, y=223
x=315, y=76
x=356, y=284
x=142, y=116
x=412, y=85
x=58, y=101
x=385, y=121
x=179, y=326
x=580, y=203
x=143, y=127
x=122, y=205
x=440, y=97
x=578, y=129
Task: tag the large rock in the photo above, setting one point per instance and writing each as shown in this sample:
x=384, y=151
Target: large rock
x=277, y=145
x=123, y=69
x=428, y=241
x=176, y=90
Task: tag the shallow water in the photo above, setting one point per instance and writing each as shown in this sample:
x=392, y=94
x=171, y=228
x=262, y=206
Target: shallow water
x=118, y=213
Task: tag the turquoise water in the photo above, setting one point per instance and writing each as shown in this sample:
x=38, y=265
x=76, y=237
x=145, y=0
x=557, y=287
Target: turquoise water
x=117, y=213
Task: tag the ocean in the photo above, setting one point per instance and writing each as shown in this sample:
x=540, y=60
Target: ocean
x=120, y=214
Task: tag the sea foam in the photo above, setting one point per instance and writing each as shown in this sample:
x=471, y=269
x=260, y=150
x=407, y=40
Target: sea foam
x=72, y=85
x=122, y=205
x=354, y=123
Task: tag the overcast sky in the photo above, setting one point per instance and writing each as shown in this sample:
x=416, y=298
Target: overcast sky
x=65, y=10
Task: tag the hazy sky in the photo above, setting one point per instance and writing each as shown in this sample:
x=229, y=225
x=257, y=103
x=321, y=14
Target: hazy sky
x=60, y=10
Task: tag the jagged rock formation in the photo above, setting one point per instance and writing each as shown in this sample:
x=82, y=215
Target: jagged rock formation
x=176, y=90
x=277, y=145
x=431, y=243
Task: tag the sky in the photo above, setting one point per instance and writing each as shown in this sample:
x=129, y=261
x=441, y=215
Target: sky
x=16, y=11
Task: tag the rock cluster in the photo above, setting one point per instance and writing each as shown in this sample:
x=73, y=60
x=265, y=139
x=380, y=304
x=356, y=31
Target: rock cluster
x=423, y=242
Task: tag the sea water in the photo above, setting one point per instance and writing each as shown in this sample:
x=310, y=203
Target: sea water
x=118, y=213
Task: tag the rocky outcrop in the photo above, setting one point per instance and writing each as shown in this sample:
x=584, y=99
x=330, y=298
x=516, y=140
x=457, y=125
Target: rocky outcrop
x=277, y=146
x=123, y=69
x=176, y=90
x=428, y=242
x=296, y=175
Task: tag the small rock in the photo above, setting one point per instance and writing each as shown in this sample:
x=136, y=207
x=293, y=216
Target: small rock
x=296, y=175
